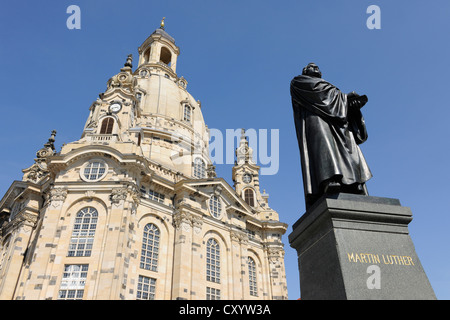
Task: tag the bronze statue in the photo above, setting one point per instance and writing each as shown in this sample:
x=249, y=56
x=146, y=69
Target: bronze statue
x=329, y=126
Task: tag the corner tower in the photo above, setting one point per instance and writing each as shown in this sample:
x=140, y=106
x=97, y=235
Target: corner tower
x=245, y=175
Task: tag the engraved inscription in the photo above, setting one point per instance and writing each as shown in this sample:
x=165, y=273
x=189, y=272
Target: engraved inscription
x=380, y=259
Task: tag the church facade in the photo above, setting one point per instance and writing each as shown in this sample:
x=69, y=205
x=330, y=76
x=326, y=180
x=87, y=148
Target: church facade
x=134, y=209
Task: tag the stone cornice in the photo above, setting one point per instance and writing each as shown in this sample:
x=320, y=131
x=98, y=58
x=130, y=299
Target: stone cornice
x=62, y=161
x=157, y=65
x=14, y=191
x=26, y=217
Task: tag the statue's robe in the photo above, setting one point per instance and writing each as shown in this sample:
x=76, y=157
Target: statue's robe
x=328, y=134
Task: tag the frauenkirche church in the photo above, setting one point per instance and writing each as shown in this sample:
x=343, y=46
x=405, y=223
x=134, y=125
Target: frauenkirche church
x=134, y=210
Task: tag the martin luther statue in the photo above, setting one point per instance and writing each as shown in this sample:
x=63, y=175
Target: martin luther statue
x=329, y=127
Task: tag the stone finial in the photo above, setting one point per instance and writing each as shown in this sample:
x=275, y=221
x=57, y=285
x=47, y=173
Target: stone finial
x=51, y=141
x=129, y=61
x=39, y=168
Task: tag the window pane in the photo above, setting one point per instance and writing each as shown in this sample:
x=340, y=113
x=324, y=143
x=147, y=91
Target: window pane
x=212, y=294
x=73, y=282
x=252, y=277
x=249, y=197
x=94, y=170
x=146, y=288
x=80, y=236
x=150, y=247
x=215, y=206
x=213, y=263
x=187, y=113
x=199, y=168
x=107, y=126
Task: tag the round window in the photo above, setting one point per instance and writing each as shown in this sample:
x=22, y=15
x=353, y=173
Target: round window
x=94, y=171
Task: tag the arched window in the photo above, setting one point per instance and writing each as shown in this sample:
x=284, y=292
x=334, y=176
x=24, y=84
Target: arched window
x=107, y=126
x=252, y=283
x=199, y=168
x=249, y=197
x=215, y=206
x=187, y=113
x=83, y=233
x=150, y=247
x=166, y=56
x=212, y=261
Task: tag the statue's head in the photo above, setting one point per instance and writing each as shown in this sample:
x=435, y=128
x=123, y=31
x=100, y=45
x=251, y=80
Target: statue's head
x=312, y=70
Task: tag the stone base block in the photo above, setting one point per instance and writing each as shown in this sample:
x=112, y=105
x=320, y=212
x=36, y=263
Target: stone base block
x=358, y=247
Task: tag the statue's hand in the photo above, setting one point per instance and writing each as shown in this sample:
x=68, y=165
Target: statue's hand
x=355, y=100
x=355, y=104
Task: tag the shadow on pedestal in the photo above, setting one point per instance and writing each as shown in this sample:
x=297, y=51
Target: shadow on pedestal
x=358, y=247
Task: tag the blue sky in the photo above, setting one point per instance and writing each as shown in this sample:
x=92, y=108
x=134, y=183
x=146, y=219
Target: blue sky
x=239, y=57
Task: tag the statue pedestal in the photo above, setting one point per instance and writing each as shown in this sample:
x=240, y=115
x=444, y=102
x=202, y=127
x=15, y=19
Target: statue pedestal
x=358, y=247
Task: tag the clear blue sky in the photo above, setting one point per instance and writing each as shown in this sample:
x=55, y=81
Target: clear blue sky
x=239, y=57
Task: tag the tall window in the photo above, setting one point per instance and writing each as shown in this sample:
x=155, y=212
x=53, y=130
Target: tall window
x=249, y=197
x=107, y=126
x=212, y=261
x=146, y=288
x=252, y=284
x=215, y=206
x=150, y=248
x=73, y=281
x=83, y=233
x=199, y=168
x=187, y=113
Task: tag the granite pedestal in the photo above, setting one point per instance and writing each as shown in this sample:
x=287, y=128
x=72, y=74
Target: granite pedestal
x=358, y=247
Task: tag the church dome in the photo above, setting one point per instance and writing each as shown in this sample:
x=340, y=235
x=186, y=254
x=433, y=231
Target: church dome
x=171, y=118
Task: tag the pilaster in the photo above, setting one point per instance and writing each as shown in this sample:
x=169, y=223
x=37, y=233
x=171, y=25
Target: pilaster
x=21, y=230
x=112, y=276
x=181, y=287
